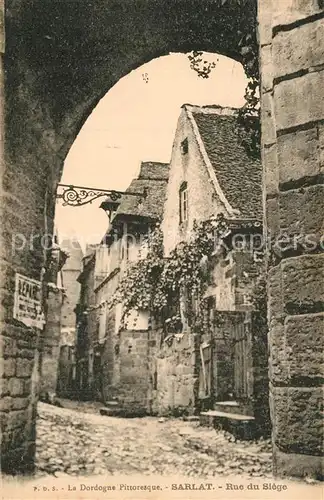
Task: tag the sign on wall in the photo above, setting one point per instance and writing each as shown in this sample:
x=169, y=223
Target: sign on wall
x=27, y=303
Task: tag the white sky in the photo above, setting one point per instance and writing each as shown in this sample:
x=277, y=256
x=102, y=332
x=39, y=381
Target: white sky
x=136, y=121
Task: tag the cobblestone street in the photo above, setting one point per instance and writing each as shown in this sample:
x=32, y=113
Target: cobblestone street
x=82, y=442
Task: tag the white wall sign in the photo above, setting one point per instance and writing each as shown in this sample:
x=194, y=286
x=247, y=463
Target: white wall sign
x=27, y=303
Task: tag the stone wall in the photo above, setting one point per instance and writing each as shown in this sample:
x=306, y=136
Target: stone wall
x=292, y=63
x=134, y=380
x=176, y=378
x=51, y=342
x=70, y=273
x=86, y=326
x=66, y=372
x=51, y=86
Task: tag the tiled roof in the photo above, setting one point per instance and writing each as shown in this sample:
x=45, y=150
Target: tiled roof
x=154, y=178
x=154, y=170
x=239, y=175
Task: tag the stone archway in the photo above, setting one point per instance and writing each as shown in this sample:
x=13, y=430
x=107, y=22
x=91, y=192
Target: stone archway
x=60, y=59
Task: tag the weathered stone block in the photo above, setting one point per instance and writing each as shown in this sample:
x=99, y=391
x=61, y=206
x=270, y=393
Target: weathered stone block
x=270, y=170
x=301, y=213
x=24, y=367
x=297, y=465
x=299, y=101
x=268, y=123
x=8, y=346
x=6, y=403
x=20, y=403
x=18, y=418
x=299, y=155
x=16, y=387
x=265, y=12
x=266, y=62
x=296, y=349
x=321, y=145
x=289, y=11
x=277, y=364
x=27, y=353
x=26, y=386
x=303, y=284
x=275, y=304
x=300, y=411
x=298, y=49
x=296, y=286
x=272, y=216
x=8, y=367
x=4, y=386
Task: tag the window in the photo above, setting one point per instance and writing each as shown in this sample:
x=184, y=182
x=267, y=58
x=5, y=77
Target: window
x=184, y=146
x=183, y=201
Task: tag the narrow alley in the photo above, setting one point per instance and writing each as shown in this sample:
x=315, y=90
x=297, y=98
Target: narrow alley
x=77, y=440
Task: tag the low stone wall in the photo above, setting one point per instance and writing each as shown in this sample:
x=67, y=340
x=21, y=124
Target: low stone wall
x=17, y=425
x=134, y=374
x=176, y=380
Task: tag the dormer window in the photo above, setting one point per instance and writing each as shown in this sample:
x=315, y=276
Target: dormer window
x=184, y=146
x=183, y=202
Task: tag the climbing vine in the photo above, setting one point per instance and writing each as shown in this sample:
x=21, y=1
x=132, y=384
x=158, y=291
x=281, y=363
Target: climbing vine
x=157, y=283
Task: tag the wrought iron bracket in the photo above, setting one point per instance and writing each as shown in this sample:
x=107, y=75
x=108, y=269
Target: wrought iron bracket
x=76, y=196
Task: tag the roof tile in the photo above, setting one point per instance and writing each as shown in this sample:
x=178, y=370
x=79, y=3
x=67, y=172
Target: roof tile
x=239, y=175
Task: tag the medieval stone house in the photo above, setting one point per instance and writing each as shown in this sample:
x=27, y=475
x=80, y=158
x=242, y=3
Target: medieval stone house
x=70, y=273
x=144, y=363
x=112, y=352
x=85, y=326
x=218, y=368
x=55, y=298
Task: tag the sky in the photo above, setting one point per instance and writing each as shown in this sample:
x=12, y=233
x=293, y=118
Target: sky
x=136, y=121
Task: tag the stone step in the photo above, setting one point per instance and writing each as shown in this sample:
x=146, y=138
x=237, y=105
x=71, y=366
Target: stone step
x=230, y=416
x=232, y=407
x=111, y=412
x=122, y=412
x=113, y=404
x=191, y=418
x=241, y=426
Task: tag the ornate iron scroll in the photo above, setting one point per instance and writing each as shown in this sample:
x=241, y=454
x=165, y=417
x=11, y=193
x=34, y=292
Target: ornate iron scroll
x=76, y=196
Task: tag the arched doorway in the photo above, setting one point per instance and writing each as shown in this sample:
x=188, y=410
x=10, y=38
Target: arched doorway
x=61, y=58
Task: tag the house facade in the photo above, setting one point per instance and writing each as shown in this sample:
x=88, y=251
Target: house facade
x=85, y=327
x=211, y=176
x=52, y=331
x=116, y=348
x=70, y=273
x=148, y=362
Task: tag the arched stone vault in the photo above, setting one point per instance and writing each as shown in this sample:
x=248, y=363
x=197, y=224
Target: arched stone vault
x=61, y=57
x=71, y=53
